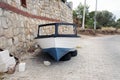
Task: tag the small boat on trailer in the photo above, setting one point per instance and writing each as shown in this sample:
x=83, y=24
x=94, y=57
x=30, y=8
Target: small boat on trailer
x=58, y=39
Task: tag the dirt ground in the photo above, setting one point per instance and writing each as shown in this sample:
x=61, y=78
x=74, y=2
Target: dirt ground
x=98, y=59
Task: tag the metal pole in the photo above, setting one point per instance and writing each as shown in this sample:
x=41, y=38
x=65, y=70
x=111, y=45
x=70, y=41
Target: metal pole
x=83, y=21
x=95, y=21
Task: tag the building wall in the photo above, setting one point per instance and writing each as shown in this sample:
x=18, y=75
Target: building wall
x=18, y=25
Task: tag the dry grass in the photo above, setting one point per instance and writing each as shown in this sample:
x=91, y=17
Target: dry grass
x=103, y=31
x=108, y=28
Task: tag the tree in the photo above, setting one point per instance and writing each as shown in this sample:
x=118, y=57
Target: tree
x=74, y=14
x=76, y=20
x=105, y=18
x=90, y=20
x=78, y=13
x=117, y=25
x=92, y=14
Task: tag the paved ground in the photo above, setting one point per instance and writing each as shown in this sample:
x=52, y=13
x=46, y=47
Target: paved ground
x=98, y=59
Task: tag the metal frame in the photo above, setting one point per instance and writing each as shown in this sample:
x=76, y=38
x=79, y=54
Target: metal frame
x=56, y=31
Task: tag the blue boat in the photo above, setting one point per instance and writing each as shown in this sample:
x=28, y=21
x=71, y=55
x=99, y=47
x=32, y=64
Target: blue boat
x=58, y=39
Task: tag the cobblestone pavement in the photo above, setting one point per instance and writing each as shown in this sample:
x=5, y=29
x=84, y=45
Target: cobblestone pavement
x=98, y=59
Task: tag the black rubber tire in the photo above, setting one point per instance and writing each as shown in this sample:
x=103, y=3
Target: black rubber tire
x=66, y=57
x=74, y=53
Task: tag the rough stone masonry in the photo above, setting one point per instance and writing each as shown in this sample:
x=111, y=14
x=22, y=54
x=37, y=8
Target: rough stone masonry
x=19, y=21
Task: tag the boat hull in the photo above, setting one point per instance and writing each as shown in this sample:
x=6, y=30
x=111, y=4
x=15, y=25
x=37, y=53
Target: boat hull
x=59, y=46
x=57, y=53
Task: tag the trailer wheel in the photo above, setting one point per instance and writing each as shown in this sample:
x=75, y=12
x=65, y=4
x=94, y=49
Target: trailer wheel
x=74, y=53
x=66, y=57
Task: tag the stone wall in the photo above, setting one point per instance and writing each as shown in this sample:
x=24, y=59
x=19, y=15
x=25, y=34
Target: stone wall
x=47, y=8
x=18, y=25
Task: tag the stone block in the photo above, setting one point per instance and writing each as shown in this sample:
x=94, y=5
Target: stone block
x=8, y=33
x=22, y=66
x=1, y=12
x=9, y=1
x=28, y=37
x=34, y=11
x=6, y=61
x=22, y=24
x=16, y=31
x=9, y=62
x=9, y=22
x=1, y=31
x=32, y=37
x=18, y=2
x=4, y=22
x=10, y=42
x=15, y=40
x=3, y=0
x=0, y=21
x=3, y=42
x=4, y=55
x=23, y=39
x=3, y=67
x=7, y=13
x=12, y=50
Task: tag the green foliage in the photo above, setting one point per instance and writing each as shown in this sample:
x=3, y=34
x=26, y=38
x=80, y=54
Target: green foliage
x=103, y=18
x=74, y=14
x=118, y=23
x=90, y=23
x=91, y=14
x=76, y=20
x=78, y=13
x=90, y=20
x=80, y=10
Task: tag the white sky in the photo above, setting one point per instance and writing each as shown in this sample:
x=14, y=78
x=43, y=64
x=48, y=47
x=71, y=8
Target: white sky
x=110, y=5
